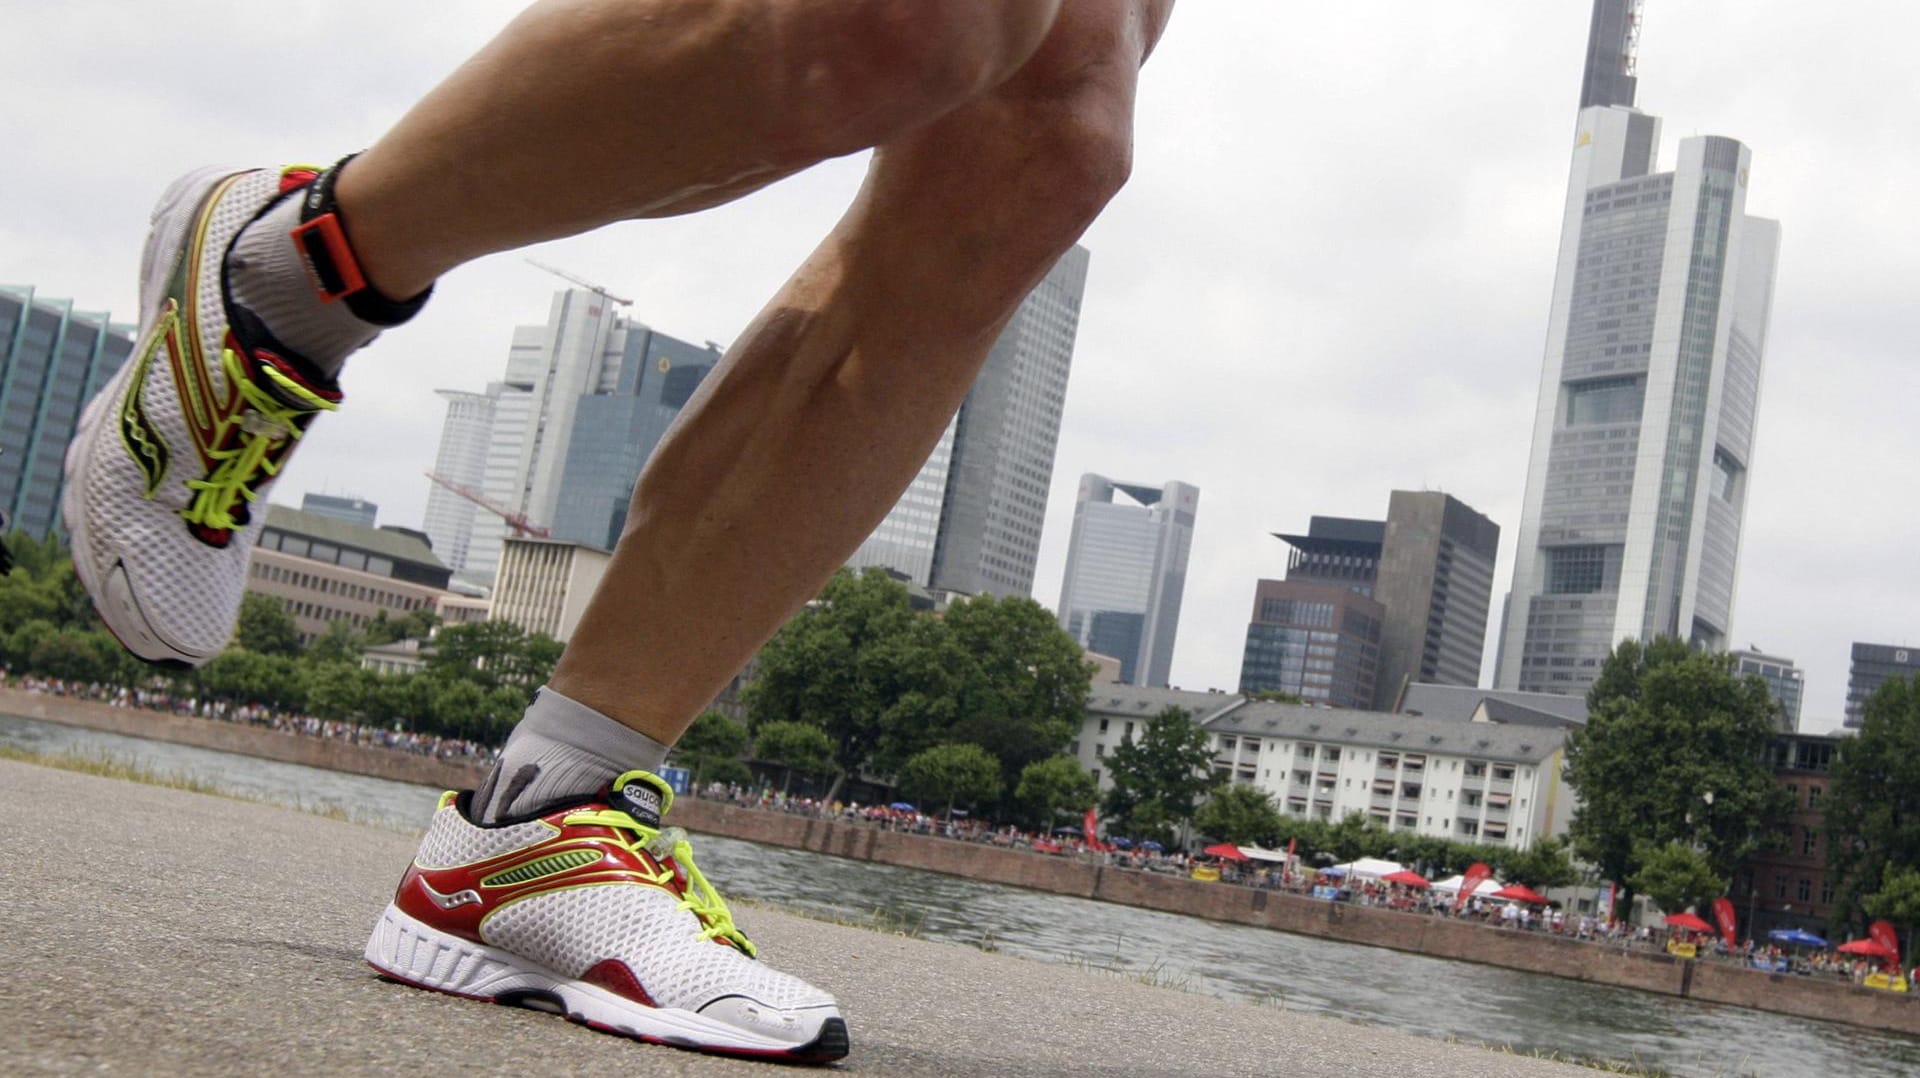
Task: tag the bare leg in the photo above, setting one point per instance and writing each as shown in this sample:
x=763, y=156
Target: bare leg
x=584, y=112
x=827, y=405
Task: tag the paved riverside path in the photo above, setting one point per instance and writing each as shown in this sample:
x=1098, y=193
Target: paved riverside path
x=151, y=931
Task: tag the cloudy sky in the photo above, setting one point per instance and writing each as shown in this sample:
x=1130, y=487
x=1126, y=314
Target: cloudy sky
x=1328, y=279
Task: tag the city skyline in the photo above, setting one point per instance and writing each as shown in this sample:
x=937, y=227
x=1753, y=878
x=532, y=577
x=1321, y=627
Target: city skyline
x=1293, y=313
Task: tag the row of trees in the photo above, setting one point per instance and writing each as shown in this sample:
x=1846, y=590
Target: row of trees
x=475, y=684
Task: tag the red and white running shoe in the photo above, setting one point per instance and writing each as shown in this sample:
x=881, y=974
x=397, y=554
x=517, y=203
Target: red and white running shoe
x=595, y=911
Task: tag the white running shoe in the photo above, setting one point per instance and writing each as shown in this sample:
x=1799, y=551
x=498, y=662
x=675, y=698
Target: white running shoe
x=192, y=430
x=595, y=911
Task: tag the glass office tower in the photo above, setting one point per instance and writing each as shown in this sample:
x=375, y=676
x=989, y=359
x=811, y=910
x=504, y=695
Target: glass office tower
x=1643, y=436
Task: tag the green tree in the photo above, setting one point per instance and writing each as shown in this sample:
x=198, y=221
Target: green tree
x=1546, y=863
x=1873, y=801
x=341, y=643
x=1159, y=779
x=839, y=666
x=950, y=775
x=241, y=676
x=1241, y=814
x=1897, y=900
x=335, y=690
x=1673, y=752
x=711, y=749
x=1052, y=789
x=1676, y=876
x=1356, y=836
x=794, y=746
x=42, y=586
x=997, y=672
x=265, y=627
x=494, y=655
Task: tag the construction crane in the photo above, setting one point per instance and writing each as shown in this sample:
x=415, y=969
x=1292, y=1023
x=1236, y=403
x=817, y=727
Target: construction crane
x=522, y=527
x=581, y=281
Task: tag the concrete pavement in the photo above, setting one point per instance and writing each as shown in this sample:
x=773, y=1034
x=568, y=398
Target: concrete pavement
x=146, y=930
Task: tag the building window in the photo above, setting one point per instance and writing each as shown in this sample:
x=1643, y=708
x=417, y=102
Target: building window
x=1805, y=890
x=1826, y=891
x=1779, y=886
x=1807, y=837
x=1813, y=797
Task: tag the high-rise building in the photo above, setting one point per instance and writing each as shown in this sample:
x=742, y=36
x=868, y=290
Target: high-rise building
x=1126, y=572
x=1643, y=435
x=352, y=510
x=465, y=436
x=1436, y=582
x=1317, y=641
x=562, y=437
x=1873, y=664
x=52, y=361
x=970, y=521
x=1340, y=551
x=1784, y=682
x=617, y=430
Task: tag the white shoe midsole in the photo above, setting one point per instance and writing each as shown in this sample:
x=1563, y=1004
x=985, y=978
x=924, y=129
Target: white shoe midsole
x=418, y=953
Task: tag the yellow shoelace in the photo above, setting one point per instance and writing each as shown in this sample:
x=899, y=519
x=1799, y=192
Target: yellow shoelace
x=265, y=424
x=698, y=896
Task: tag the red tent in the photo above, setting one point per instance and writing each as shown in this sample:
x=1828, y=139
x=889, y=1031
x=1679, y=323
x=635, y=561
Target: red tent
x=1689, y=922
x=1406, y=878
x=1870, y=948
x=1520, y=892
x=1226, y=850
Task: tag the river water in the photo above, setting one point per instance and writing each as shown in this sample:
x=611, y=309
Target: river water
x=1424, y=996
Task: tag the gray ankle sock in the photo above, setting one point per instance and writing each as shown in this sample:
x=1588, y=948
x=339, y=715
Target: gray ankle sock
x=561, y=748
x=269, y=277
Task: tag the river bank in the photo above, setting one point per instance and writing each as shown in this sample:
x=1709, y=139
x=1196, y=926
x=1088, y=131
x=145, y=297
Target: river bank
x=1406, y=932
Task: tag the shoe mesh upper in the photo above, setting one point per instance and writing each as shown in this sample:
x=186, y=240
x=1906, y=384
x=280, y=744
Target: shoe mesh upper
x=451, y=840
x=573, y=930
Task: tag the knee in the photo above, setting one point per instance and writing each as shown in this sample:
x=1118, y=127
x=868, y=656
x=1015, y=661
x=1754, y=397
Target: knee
x=862, y=72
x=1083, y=160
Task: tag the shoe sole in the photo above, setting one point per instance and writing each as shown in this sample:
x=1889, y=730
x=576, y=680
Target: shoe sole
x=113, y=597
x=407, y=950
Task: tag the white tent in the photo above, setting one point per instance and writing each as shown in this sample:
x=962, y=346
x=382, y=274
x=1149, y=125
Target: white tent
x=1258, y=854
x=1451, y=885
x=1367, y=868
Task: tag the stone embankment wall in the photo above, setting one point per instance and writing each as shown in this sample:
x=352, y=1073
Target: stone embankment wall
x=1413, y=933
x=1423, y=934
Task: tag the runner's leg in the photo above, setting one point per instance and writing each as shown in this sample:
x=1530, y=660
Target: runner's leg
x=824, y=409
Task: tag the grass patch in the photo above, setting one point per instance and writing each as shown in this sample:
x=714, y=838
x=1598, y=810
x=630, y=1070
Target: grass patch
x=109, y=766
x=1630, y=1068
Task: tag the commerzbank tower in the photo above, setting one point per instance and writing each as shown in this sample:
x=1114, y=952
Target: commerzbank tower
x=1644, y=434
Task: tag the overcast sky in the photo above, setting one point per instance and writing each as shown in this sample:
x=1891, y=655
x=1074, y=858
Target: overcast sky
x=1329, y=277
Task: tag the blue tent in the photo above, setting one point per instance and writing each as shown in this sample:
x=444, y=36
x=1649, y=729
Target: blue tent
x=1152, y=845
x=901, y=806
x=1122, y=843
x=1798, y=937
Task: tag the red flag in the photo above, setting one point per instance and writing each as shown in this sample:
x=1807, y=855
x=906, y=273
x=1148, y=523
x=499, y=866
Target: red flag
x=1476, y=875
x=1090, y=828
x=1882, y=933
x=1723, y=916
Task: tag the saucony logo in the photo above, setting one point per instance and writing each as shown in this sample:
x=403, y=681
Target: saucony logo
x=143, y=442
x=447, y=902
